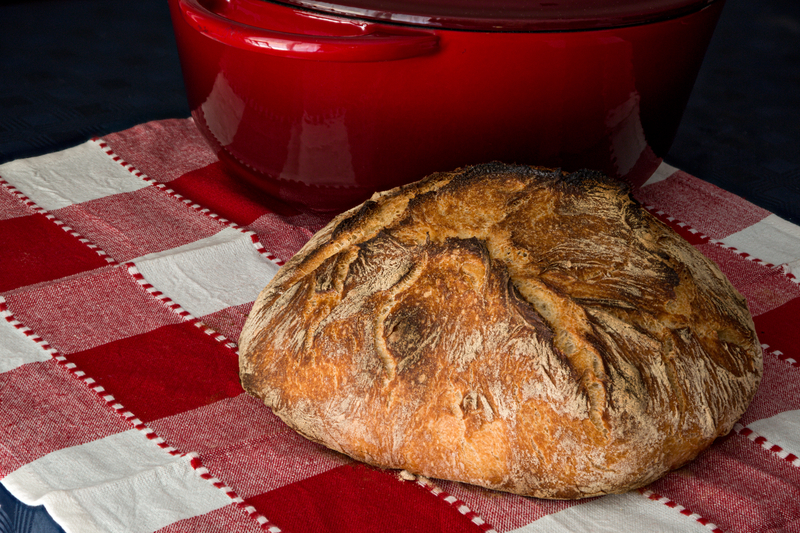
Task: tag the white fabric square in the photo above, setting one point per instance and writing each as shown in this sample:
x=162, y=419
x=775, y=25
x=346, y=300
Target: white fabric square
x=772, y=239
x=211, y=274
x=619, y=513
x=84, y=172
x=17, y=349
x=782, y=429
x=124, y=482
x=662, y=172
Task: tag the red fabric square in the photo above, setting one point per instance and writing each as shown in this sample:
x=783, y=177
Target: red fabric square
x=46, y=408
x=34, y=249
x=163, y=372
x=81, y=312
x=164, y=149
x=220, y=424
x=706, y=207
x=11, y=206
x=356, y=497
x=243, y=443
x=284, y=236
x=778, y=392
x=217, y=188
x=692, y=237
x=229, y=321
x=129, y=225
x=274, y=457
x=779, y=328
x=730, y=483
x=504, y=511
x=764, y=288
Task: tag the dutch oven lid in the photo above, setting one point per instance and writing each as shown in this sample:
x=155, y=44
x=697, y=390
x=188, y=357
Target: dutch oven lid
x=508, y=15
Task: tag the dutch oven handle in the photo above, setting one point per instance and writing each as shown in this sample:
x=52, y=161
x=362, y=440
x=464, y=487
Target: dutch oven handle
x=376, y=46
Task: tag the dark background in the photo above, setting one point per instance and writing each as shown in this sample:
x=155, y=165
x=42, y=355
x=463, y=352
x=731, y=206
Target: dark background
x=74, y=69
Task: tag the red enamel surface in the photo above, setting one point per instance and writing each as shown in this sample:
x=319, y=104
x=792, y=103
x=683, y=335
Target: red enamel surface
x=322, y=110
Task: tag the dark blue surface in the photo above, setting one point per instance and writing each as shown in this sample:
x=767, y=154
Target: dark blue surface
x=741, y=129
x=16, y=517
x=70, y=70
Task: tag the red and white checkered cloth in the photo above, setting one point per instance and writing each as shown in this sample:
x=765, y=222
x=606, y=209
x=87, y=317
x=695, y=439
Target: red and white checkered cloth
x=127, y=267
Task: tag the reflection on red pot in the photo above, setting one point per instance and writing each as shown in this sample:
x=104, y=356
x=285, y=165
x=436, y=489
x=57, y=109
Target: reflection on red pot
x=322, y=110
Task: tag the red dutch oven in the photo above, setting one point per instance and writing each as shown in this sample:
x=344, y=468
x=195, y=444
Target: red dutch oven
x=321, y=103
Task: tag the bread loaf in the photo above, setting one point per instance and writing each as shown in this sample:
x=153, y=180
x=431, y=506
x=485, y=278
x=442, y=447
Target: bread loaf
x=518, y=328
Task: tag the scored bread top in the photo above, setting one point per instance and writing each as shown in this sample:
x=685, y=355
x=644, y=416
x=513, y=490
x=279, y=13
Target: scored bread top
x=519, y=328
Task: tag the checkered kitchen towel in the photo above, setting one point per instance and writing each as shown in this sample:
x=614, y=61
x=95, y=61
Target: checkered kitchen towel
x=127, y=267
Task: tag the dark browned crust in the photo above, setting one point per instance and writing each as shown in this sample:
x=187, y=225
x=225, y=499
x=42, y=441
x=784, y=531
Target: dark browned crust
x=519, y=328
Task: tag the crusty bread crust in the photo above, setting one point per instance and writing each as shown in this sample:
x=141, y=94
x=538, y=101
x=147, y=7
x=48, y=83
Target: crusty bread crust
x=514, y=327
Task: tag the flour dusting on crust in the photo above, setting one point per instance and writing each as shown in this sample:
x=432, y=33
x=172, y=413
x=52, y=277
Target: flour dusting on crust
x=519, y=328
